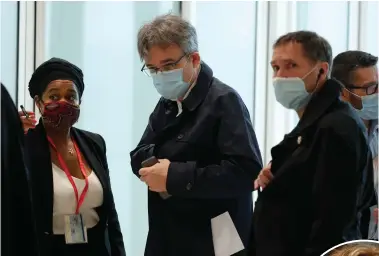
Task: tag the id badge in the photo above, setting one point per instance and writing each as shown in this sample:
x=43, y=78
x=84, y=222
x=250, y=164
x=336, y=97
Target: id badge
x=75, y=230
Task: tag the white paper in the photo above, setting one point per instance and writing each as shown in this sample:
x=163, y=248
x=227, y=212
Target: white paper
x=373, y=227
x=226, y=240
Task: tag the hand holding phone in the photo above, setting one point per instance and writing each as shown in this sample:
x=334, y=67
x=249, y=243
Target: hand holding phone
x=27, y=118
x=150, y=162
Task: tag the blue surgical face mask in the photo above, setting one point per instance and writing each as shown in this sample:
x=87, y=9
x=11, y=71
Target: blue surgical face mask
x=369, y=109
x=170, y=84
x=291, y=92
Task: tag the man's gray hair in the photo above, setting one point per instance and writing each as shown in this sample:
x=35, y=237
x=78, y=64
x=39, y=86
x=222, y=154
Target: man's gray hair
x=166, y=30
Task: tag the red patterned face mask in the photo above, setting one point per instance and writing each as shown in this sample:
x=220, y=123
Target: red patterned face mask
x=60, y=114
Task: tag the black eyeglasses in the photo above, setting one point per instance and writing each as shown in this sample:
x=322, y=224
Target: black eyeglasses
x=167, y=67
x=370, y=89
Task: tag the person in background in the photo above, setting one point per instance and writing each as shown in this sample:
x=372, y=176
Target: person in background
x=311, y=198
x=201, y=133
x=74, y=204
x=17, y=214
x=359, y=248
x=358, y=72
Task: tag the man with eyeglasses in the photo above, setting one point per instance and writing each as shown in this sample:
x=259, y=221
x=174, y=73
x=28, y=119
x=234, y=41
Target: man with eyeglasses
x=204, y=149
x=358, y=72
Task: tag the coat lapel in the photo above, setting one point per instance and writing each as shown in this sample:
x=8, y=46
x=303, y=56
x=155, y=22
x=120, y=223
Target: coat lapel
x=89, y=152
x=39, y=163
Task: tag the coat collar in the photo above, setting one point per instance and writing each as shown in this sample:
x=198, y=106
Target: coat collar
x=198, y=92
x=318, y=105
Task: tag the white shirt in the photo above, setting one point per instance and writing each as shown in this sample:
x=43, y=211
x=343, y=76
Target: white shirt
x=179, y=103
x=180, y=106
x=65, y=201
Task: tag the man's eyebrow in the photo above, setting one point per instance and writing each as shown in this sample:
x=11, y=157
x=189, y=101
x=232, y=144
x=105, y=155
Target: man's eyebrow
x=162, y=62
x=273, y=62
x=368, y=84
x=167, y=60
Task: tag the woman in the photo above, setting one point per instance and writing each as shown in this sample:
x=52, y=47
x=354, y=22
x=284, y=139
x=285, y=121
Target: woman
x=73, y=199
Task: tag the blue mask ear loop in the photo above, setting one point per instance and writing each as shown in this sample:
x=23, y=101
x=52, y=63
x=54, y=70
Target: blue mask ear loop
x=357, y=96
x=190, y=83
x=318, y=80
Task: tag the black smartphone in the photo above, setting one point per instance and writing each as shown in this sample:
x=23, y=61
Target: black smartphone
x=24, y=111
x=149, y=162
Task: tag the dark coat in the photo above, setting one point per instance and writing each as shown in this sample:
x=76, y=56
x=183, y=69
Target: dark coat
x=17, y=215
x=214, y=158
x=313, y=200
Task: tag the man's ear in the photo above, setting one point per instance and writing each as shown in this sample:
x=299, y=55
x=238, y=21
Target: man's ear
x=353, y=99
x=196, y=59
x=324, y=70
x=345, y=94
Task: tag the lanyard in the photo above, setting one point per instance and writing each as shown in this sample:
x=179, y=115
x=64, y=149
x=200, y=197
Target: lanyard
x=80, y=199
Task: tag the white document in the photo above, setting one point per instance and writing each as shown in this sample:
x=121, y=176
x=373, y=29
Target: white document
x=226, y=240
x=373, y=227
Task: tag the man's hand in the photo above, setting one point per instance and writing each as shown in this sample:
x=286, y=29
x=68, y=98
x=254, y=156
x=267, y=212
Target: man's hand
x=156, y=176
x=264, y=177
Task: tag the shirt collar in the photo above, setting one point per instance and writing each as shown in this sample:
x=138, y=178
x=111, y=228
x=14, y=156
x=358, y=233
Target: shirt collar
x=198, y=91
x=179, y=102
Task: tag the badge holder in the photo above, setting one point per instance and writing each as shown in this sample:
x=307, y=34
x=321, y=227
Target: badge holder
x=75, y=230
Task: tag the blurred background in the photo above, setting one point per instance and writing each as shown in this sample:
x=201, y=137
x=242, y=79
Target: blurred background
x=235, y=39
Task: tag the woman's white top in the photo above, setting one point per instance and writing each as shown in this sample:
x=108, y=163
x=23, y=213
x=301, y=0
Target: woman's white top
x=65, y=200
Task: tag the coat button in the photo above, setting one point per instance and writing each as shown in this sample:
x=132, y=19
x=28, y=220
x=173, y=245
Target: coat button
x=189, y=186
x=46, y=233
x=299, y=139
x=180, y=136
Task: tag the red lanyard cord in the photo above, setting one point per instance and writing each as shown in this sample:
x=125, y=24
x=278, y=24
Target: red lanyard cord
x=79, y=199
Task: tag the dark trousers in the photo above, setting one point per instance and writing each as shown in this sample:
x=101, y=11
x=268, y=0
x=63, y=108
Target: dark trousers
x=241, y=253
